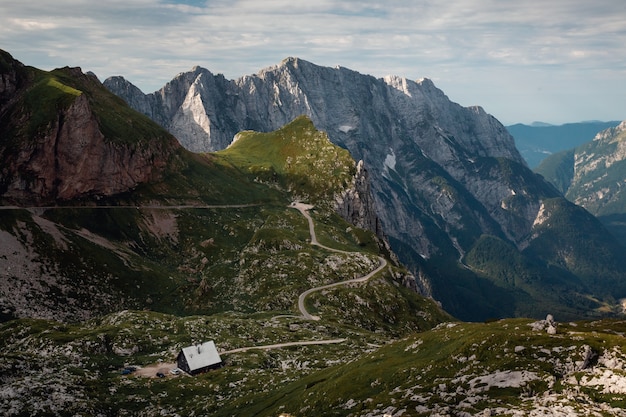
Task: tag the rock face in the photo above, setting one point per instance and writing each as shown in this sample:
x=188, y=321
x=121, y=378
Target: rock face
x=394, y=125
x=442, y=175
x=73, y=160
x=592, y=176
x=356, y=204
x=64, y=154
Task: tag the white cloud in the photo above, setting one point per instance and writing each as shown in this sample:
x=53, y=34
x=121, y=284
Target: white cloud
x=477, y=51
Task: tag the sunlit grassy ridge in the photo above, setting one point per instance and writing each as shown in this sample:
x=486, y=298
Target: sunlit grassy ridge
x=215, y=244
x=300, y=157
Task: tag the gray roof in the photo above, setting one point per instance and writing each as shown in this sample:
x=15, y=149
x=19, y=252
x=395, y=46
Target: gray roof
x=201, y=356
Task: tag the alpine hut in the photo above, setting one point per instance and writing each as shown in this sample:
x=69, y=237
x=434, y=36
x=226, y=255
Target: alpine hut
x=199, y=358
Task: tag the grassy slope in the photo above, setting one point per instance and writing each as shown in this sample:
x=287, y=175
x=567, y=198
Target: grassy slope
x=210, y=259
x=432, y=371
x=243, y=265
x=244, y=258
x=46, y=93
x=297, y=157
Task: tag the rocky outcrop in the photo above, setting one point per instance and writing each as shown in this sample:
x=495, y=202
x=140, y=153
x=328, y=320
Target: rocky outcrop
x=11, y=78
x=592, y=174
x=598, y=169
x=73, y=160
x=356, y=204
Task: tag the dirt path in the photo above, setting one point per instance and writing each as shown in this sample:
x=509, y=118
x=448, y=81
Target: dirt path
x=164, y=368
x=287, y=344
x=303, y=208
x=150, y=371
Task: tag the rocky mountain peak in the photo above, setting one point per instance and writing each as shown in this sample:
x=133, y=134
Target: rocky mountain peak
x=591, y=175
x=12, y=77
x=290, y=61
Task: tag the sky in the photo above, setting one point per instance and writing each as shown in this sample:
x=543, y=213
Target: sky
x=555, y=61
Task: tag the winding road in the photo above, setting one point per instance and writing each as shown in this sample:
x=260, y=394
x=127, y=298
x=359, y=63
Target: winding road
x=151, y=207
x=303, y=208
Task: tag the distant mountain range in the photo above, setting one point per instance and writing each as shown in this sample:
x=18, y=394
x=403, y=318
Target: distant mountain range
x=455, y=197
x=592, y=175
x=539, y=140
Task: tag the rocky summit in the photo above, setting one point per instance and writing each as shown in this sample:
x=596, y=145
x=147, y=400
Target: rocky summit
x=446, y=180
x=591, y=175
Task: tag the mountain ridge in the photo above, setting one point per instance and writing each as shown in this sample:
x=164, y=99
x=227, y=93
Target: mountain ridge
x=589, y=170
x=537, y=141
x=590, y=175
x=60, y=140
x=75, y=254
x=442, y=175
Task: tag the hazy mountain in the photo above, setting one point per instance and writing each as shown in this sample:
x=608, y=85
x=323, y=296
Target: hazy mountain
x=539, y=140
x=447, y=180
x=591, y=175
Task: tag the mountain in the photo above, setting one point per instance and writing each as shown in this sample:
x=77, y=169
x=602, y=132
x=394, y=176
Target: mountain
x=452, y=191
x=65, y=137
x=86, y=231
x=591, y=175
x=272, y=249
x=539, y=140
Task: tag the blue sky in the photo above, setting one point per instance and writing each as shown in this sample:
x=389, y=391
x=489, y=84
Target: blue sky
x=555, y=61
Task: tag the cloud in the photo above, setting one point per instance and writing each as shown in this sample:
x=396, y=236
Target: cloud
x=458, y=43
